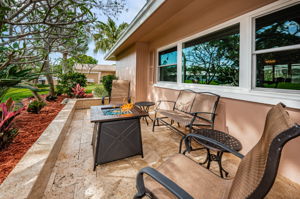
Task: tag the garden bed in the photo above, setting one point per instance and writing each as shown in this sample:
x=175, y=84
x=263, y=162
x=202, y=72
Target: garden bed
x=30, y=126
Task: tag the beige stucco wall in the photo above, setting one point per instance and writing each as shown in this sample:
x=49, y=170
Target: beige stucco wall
x=242, y=119
x=104, y=73
x=94, y=76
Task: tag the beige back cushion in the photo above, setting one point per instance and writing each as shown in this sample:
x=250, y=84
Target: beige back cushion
x=204, y=103
x=185, y=100
x=120, y=91
x=253, y=165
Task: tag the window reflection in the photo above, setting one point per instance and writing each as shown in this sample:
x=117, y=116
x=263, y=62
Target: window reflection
x=168, y=65
x=278, y=29
x=212, y=59
x=279, y=70
x=168, y=73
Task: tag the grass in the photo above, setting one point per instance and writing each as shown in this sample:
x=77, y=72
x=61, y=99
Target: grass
x=283, y=85
x=89, y=88
x=17, y=94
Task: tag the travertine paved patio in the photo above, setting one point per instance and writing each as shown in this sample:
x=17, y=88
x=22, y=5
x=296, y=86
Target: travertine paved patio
x=73, y=175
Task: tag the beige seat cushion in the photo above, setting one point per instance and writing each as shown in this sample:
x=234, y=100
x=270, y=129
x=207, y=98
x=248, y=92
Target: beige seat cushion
x=204, y=103
x=182, y=118
x=254, y=165
x=119, y=92
x=118, y=100
x=185, y=101
x=190, y=176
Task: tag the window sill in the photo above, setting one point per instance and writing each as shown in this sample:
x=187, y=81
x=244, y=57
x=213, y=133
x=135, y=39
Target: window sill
x=291, y=100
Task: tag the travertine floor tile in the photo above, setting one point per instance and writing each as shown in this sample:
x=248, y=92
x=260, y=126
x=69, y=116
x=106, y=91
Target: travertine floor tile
x=73, y=175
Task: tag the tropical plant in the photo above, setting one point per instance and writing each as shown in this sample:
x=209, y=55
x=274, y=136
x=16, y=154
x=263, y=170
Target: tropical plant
x=14, y=76
x=7, y=115
x=100, y=91
x=78, y=91
x=36, y=106
x=107, y=82
x=68, y=81
x=107, y=34
x=31, y=30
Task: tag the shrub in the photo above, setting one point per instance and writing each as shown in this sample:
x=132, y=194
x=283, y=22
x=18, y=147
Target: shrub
x=100, y=91
x=36, y=106
x=7, y=115
x=107, y=82
x=50, y=98
x=78, y=91
x=68, y=81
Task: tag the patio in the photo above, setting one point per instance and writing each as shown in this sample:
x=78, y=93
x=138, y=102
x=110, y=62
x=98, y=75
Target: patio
x=73, y=175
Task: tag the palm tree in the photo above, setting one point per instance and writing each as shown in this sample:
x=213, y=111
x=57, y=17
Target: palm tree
x=107, y=35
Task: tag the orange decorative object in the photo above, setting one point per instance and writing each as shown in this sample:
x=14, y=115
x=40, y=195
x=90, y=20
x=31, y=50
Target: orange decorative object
x=126, y=107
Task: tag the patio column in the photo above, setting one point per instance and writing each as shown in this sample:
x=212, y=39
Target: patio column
x=142, y=65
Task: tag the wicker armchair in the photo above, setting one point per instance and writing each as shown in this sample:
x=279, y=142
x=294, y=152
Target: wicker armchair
x=119, y=92
x=181, y=177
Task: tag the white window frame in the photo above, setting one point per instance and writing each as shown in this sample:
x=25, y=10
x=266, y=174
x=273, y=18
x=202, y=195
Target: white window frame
x=246, y=89
x=158, y=66
x=276, y=49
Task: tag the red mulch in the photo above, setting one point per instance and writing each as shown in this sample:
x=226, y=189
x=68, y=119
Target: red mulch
x=30, y=128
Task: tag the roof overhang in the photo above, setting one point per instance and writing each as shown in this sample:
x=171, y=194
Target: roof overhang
x=162, y=22
x=150, y=7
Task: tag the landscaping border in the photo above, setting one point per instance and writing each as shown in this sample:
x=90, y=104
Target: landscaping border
x=30, y=176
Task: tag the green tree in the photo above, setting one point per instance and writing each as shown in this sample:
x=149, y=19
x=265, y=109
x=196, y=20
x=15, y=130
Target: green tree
x=107, y=34
x=107, y=82
x=68, y=81
x=68, y=64
x=37, y=28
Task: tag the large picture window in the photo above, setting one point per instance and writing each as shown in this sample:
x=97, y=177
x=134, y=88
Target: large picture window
x=167, y=65
x=277, y=49
x=212, y=59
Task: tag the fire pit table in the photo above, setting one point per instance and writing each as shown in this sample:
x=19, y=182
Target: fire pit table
x=117, y=133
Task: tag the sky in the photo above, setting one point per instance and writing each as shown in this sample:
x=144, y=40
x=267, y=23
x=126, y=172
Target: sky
x=133, y=7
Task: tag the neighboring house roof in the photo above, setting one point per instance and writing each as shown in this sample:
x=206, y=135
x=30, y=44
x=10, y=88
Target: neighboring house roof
x=94, y=68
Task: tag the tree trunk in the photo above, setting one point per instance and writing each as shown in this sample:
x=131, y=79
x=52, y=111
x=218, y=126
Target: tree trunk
x=49, y=76
x=37, y=96
x=47, y=70
x=65, y=57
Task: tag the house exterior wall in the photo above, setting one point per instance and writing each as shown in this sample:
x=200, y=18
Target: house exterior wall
x=241, y=118
x=96, y=77
x=92, y=77
x=126, y=68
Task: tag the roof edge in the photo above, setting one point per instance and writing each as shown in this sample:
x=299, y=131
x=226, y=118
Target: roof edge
x=149, y=8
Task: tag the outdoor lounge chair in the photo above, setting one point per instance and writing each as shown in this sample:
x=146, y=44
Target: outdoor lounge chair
x=181, y=177
x=191, y=109
x=119, y=92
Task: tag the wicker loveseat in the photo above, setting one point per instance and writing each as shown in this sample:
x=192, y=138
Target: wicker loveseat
x=191, y=109
x=181, y=177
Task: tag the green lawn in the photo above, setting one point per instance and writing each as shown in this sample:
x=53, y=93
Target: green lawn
x=17, y=94
x=90, y=88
